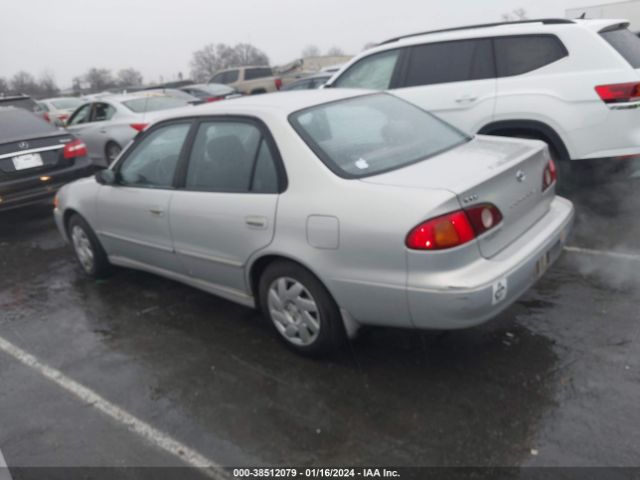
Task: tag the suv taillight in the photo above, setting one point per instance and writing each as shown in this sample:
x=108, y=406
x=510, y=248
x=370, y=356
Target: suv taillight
x=278, y=83
x=75, y=148
x=619, y=92
x=550, y=175
x=454, y=229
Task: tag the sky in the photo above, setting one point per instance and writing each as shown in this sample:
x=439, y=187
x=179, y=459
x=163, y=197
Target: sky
x=158, y=37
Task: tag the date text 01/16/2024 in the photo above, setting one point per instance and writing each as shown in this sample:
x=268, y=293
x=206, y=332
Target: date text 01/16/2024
x=242, y=473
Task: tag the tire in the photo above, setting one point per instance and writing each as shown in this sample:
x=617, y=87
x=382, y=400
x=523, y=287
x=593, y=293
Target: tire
x=86, y=246
x=300, y=309
x=111, y=152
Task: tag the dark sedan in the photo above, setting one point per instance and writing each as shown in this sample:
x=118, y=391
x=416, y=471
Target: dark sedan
x=36, y=158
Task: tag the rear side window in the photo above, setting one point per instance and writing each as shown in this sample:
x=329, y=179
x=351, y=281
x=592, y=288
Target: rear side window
x=253, y=73
x=522, y=54
x=626, y=44
x=373, y=72
x=450, y=62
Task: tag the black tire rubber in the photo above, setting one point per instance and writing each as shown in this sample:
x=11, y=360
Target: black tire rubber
x=332, y=335
x=101, y=266
x=109, y=145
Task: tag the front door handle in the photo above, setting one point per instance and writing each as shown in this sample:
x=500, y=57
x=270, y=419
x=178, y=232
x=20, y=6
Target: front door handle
x=254, y=221
x=156, y=211
x=466, y=99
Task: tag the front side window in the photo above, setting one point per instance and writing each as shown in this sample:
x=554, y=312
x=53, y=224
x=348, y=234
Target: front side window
x=373, y=72
x=626, y=44
x=103, y=112
x=450, y=62
x=522, y=54
x=371, y=134
x=81, y=115
x=153, y=161
x=230, y=156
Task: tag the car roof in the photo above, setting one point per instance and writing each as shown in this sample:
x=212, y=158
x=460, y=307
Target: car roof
x=122, y=97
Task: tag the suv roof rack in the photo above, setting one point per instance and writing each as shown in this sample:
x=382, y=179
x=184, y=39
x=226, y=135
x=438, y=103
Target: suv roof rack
x=545, y=21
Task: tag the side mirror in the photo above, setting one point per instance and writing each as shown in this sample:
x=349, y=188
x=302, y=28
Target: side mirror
x=105, y=177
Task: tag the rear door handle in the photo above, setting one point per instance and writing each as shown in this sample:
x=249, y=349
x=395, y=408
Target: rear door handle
x=466, y=99
x=156, y=211
x=253, y=221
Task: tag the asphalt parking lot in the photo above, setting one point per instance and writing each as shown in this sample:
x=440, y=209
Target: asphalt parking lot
x=554, y=381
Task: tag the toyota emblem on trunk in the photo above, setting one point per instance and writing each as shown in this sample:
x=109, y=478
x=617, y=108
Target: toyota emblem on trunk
x=520, y=176
x=23, y=145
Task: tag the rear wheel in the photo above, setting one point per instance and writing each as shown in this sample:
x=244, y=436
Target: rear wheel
x=300, y=308
x=90, y=254
x=112, y=150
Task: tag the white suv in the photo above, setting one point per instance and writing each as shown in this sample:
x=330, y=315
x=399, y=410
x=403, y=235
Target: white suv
x=574, y=84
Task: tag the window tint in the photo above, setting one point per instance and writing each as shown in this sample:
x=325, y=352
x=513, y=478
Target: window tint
x=626, y=43
x=80, y=116
x=450, y=62
x=518, y=55
x=253, y=73
x=153, y=161
x=103, y=112
x=374, y=72
x=265, y=176
x=218, y=78
x=366, y=135
x=222, y=157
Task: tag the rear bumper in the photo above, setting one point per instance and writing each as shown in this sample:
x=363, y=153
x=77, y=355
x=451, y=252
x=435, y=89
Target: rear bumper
x=478, y=292
x=26, y=191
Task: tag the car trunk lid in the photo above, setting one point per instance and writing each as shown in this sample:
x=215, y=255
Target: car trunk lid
x=504, y=172
x=31, y=156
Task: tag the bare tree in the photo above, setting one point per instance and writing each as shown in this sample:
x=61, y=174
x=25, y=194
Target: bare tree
x=310, y=51
x=129, y=77
x=23, y=82
x=249, y=55
x=76, y=83
x=204, y=63
x=4, y=86
x=369, y=45
x=211, y=58
x=515, y=15
x=47, y=85
x=99, y=79
x=335, y=52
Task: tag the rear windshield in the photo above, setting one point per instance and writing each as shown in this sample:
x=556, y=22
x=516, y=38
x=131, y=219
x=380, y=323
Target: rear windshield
x=252, y=73
x=626, y=43
x=153, y=104
x=25, y=103
x=17, y=123
x=66, y=103
x=367, y=135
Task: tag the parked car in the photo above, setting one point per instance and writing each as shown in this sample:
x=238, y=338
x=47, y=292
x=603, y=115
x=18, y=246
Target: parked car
x=36, y=158
x=24, y=102
x=109, y=123
x=326, y=209
x=59, y=109
x=175, y=92
x=309, y=83
x=574, y=84
x=211, y=92
x=249, y=80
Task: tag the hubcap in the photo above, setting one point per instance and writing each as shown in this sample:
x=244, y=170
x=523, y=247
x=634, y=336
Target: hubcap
x=83, y=248
x=293, y=311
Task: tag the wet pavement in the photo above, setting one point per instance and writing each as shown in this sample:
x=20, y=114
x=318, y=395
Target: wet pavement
x=554, y=381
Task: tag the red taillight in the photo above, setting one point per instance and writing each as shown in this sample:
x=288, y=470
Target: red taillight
x=619, y=92
x=214, y=99
x=549, y=175
x=47, y=117
x=278, y=83
x=454, y=229
x=63, y=117
x=139, y=126
x=74, y=149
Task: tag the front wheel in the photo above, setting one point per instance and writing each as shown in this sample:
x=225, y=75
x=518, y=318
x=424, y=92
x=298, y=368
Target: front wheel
x=301, y=310
x=86, y=246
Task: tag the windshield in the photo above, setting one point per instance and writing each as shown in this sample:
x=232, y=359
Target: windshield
x=66, y=103
x=367, y=135
x=154, y=103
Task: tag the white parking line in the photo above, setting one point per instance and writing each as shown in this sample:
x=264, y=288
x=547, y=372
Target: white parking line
x=604, y=253
x=4, y=470
x=133, y=424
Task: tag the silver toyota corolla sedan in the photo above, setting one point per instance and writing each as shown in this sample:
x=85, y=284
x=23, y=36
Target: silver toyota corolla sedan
x=328, y=210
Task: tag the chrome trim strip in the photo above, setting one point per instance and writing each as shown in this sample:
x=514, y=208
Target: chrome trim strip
x=31, y=150
x=136, y=242
x=209, y=258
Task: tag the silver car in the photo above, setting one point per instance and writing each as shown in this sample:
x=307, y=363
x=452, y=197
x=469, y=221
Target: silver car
x=108, y=123
x=328, y=210
x=59, y=109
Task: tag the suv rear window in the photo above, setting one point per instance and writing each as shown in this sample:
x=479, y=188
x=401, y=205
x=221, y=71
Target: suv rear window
x=253, y=73
x=522, y=54
x=626, y=44
x=450, y=62
x=371, y=134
